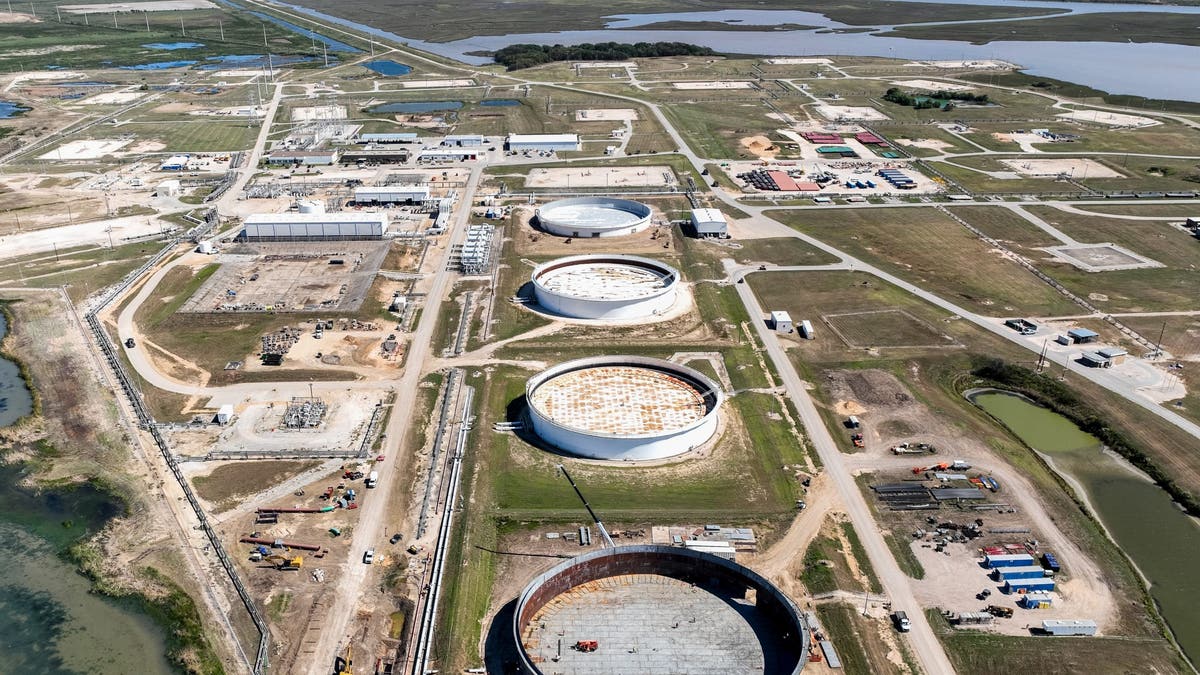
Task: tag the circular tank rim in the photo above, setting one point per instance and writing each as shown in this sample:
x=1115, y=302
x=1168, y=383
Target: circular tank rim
x=707, y=388
x=545, y=212
x=616, y=259
x=754, y=579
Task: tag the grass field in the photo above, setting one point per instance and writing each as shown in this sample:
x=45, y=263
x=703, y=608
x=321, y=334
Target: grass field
x=84, y=270
x=855, y=638
x=1178, y=211
x=884, y=328
x=714, y=129
x=1006, y=226
x=227, y=484
x=1170, y=288
x=187, y=135
x=927, y=248
x=1129, y=26
x=779, y=251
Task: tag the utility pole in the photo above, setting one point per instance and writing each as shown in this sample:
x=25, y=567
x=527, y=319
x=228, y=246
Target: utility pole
x=599, y=525
x=1158, y=344
x=325, y=50
x=58, y=13
x=221, y=27
x=146, y=15
x=182, y=28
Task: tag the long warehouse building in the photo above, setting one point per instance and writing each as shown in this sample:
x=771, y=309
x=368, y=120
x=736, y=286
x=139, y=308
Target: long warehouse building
x=395, y=194
x=315, y=226
x=543, y=142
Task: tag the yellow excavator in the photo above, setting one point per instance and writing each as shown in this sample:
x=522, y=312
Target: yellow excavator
x=285, y=564
x=343, y=667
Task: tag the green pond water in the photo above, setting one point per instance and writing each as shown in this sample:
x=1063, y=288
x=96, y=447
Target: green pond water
x=50, y=622
x=1161, y=539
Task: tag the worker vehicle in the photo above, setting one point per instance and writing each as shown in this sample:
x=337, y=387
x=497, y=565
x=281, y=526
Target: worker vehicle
x=857, y=440
x=129, y=343
x=587, y=646
x=396, y=537
x=369, y=556
x=901, y=620
x=372, y=479
x=999, y=612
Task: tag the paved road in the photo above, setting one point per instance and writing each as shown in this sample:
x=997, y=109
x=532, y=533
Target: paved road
x=926, y=646
x=368, y=532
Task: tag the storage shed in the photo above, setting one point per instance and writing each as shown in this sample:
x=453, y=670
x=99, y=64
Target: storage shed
x=464, y=140
x=1028, y=585
x=394, y=194
x=781, y=322
x=1114, y=355
x=1069, y=627
x=342, y=226
x=225, y=414
x=1082, y=335
x=1038, y=600
x=1021, y=572
x=542, y=142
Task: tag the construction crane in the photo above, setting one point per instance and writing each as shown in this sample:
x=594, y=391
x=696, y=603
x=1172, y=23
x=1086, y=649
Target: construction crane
x=285, y=564
x=599, y=525
x=343, y=668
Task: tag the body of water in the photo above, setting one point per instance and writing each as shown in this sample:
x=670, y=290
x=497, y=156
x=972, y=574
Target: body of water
x=10, y=109
x=500, y=102
x=389, y=68
x=15, y=399
x=413, y=107
x=1140, y=516
x=173, y=46
x=159, y=65
x=251, y=61
x=1150, y=69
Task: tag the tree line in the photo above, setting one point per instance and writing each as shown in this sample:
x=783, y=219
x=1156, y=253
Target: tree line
x=516, y=57
x=938, y=99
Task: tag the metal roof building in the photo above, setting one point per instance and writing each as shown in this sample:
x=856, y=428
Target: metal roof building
x=388, y=138
x=464, y=140
x=710, y=223
x=315, y=226
x=1082, y=335
x=392, y=194
x=305, y=157
x=543, y=142
x=1069, y=626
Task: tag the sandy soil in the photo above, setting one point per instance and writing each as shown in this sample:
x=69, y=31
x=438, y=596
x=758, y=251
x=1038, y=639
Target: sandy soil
x=605, y=114
x=760, y=146
x=719, y=84
x=790, y=61
x=927, y=143
x=16, y=17
x=150, y=6
x=1109, y=118
x=835, y=112
x=86, y=149
x=931, y=85
x=1072, y=166
x=598, y=176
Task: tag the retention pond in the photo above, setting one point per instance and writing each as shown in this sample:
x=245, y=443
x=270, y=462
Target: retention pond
x=1160, y=538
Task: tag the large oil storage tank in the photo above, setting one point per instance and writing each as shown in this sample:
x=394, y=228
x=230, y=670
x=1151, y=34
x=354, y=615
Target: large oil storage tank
x=623, y=407
x=610, y=287
x=655, y=610
x=593, y=217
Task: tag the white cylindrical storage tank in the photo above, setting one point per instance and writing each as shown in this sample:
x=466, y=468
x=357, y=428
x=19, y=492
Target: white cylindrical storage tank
x=589, y=217
x=310, y=206
x=623, y=407
x=611, y=287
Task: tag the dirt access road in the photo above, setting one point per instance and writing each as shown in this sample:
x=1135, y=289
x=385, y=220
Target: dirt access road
x=895, y=584
x=352, y=584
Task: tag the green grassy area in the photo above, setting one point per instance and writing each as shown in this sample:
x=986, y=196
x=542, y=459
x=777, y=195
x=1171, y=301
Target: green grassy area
x=1168, y=288
x=1131, y=26
x=860, y=555
x=929, y=249
x=95, y=42
x=905, y=558
x=83, y=271
x=1007, y=226
x=979, y=651
x=851, y=635
x=715, y=129
x=1176, y=211
x=824, y=563
x=978, y=182
x=194, y=136
x=780, y=251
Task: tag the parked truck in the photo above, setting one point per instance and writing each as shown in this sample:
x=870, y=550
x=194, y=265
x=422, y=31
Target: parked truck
x=372, y=479
x=902, y=623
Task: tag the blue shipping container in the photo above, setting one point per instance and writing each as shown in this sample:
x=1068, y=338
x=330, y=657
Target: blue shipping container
x=1016, y=585
x=1008, y=560
x=1031, y=572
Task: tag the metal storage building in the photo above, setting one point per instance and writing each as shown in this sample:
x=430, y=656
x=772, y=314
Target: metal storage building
x=1114, y=355
x=1008, y=560
x=1082, y=335
x=710, y=223
x=447, y=155
x=225, y=414
x=464, y=140
x=315, y=226
x=1022, y=572
x=1069, y=626
x=543, y=142
x=388, y=138
x=1018, y=585
x=305, y=157
x=1037, y=601
x=781, y=322
x=174, y=163
x=806, y=330
x=393, y=194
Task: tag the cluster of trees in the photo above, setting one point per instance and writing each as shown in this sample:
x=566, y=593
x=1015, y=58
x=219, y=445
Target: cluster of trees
x=1061, y=399
x=938, y=99
x=516, y=57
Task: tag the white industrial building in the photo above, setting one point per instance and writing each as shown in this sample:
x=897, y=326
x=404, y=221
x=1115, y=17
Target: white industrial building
x=356, y=225
x=606, y=287
x=589, y=217
x=303, y=157
x=392, y=194
x=464, y=140
x=1069, y=626
x=542, y=142
x=781, y=322
x=710, y=223
x=448, y=154
x=625, y=408
x=406, y=137
x=225, y=414
x=174, y=163
x=168, y=188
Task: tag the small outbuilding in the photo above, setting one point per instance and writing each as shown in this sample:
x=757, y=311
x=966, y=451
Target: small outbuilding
x=168, y=188
x=1093, y=360
x=1082, y=335
x=710, y=223
x=225, y=414
x=1114, y=355
x=781, y=322
x=1069, y=627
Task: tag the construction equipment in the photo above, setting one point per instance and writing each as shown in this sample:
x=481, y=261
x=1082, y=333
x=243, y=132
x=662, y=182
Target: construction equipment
x=285, y=564
x=857, y=440
x=587, y=646
x=999, y=612
x=344, y=664
x=918, y=470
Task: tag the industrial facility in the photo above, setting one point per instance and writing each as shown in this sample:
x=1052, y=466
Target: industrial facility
x=542, y=142
x=593, y=217
x=709, y=223
x=315, y=226
x=392, y=194
x=610, y=287
x=655, y=610
x=623, y=407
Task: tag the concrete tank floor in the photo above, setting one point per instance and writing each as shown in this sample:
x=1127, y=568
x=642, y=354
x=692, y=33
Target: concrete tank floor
x=622, y=400
x=603, y=281
x=651, y=624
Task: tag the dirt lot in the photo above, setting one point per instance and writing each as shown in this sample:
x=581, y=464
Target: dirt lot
x=1071, y=166
x=890, y=415
x=603, y=176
